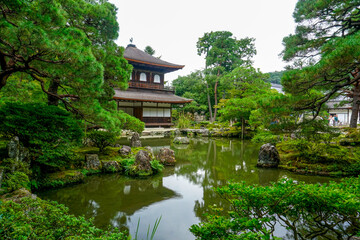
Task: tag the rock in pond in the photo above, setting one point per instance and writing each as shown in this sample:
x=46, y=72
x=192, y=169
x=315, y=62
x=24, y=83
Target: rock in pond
x=166, y=157
x=181, y=140
x=92, y=161
x=142, y=165
x=149, y=150
x=111, y=166
x=135, y=140
x=125, y=150
x=268, y=156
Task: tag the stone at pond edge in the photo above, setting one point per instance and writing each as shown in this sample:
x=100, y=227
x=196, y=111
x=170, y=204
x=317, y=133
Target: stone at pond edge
x=181, y=140
x=125, y=150
x=166, y=157
x=268, y=156
x=142, y=166
x=135, y=140
x=111, y=166
x=92, y=161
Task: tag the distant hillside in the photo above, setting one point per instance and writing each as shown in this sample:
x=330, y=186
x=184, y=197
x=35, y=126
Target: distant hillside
x=275, y=77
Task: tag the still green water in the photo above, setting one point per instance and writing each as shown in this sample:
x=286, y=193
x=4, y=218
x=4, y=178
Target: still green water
x=180, y=195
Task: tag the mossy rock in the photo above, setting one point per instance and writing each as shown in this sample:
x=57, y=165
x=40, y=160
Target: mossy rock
x=111, y=166
x=134, y=171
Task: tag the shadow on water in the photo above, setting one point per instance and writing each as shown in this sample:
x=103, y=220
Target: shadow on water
x=180, y=195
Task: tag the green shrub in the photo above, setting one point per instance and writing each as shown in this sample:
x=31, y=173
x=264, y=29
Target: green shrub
x=127, y=164
x=308, y=211
x=14, y=181
x=184, y=121
x=102, y=139
x=39, y=219
x=47, y=131
x=156, y=166
x=266, y=137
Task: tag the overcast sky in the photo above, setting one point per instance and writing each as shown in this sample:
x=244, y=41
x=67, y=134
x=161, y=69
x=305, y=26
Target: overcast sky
x=172, y=28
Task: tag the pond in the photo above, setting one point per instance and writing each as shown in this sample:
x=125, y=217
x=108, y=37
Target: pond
x=180, y=195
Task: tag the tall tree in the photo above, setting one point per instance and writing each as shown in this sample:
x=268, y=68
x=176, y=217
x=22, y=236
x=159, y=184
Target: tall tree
x=68, y=47
x=246, y=86
x=223, y=53
x=325, y=53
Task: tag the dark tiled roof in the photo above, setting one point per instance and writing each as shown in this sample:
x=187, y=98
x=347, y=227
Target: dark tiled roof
x=147, y=95
x=134, y=54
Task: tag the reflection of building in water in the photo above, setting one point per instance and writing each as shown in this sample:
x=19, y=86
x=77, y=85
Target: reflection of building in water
x=109, y=198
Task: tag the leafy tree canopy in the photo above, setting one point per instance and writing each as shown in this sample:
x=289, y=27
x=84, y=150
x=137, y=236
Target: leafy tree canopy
x=275, y=77
x=245, y=86
x=224, y=52
x=325, y=54
x=68, y=48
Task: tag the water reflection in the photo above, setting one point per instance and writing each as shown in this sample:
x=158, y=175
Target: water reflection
x=181, y=194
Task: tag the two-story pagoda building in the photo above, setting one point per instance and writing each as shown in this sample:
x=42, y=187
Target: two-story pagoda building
x=146, y=98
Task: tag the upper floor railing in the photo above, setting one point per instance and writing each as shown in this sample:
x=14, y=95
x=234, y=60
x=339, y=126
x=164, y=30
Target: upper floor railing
x=151, y=86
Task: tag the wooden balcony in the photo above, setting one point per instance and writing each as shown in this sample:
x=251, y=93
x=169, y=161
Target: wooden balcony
x=146, y=85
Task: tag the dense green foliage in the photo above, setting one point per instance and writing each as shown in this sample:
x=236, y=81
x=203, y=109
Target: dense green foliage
x=192, y=86
x=39, y=219
x=245, y=86
x=223, y=53
x=306, y=210
x=275, y=77
x=64, y=51
x=101, y=139
x=325, y=53
x=47, y=131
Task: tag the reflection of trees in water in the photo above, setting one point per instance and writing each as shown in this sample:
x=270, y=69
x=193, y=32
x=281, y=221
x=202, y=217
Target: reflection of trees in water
x=212, y=163
x=109, y=199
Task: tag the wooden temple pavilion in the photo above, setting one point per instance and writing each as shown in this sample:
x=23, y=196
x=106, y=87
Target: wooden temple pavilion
x=146, y=98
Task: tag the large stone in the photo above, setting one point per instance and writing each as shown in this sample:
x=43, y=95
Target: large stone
x=167, y=134
x=204, y=132
x=177, y=133
x=111, y=166
x=135, y=140
x=92, y=161
x=16, y=151
x=268, y=156
x=149, y=150
x=142, y=161
x=166, y=157
x=125, y=150
x=181, y=140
